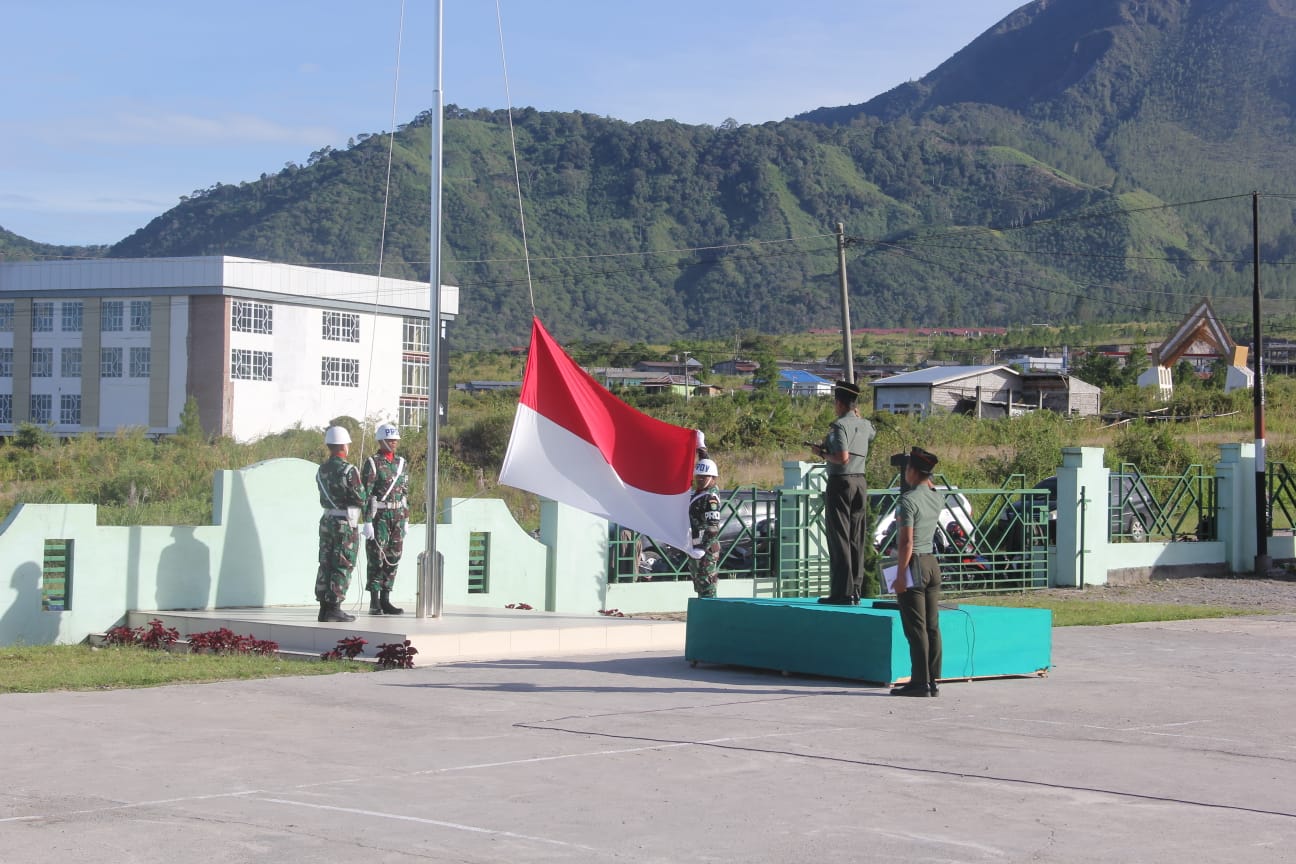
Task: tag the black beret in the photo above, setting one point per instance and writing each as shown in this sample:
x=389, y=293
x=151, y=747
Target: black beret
x=922, y=461
x=846, y=390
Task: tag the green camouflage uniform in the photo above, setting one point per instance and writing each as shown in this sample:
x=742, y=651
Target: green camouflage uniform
x=704, y=522
x=339, y=487
x=387, y=486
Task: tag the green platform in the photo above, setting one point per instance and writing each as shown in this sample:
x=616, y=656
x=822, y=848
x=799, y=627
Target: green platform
x=861, y=642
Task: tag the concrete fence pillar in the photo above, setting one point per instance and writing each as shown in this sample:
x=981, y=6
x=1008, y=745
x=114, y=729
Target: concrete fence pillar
x=1081, y=518
x=576, y=575
x=1235, y=520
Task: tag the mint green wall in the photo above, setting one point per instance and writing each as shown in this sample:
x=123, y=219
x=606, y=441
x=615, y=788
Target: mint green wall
x=262, y=551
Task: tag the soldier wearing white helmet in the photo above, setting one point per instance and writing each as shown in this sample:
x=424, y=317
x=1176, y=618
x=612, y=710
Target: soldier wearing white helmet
x=342, y=498
x=386, y=483
x=704, y=521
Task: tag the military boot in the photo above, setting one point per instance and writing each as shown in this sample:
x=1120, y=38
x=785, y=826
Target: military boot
x=374, y=607
x=387, y=607
x=335, y=613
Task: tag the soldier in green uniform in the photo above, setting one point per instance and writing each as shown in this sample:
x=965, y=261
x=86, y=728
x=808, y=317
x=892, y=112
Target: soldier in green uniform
x=918, y=575
x=845, y=449
x=386, y=484
x=704, y=522
x=342, y=498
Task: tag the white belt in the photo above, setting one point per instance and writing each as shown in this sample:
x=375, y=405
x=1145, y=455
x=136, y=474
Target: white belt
x=341, y=514
x=389, y=505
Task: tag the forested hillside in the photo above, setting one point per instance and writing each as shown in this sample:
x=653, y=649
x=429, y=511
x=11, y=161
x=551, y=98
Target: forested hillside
x=1058, y=169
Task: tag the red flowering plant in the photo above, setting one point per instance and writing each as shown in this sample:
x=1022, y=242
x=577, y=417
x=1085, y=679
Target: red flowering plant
x=396, y=655
x=347, y=649
x=226, y=641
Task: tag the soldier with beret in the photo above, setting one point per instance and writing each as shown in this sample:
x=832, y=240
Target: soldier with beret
x=845, y=449
x=918, y=575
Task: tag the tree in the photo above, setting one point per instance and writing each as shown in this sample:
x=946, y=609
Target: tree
x=190, y=427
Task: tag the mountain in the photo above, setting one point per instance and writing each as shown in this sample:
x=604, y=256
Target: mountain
x=1043, y=173
x=16, y=248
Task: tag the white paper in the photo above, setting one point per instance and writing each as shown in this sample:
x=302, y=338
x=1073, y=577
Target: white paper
x=889, y=577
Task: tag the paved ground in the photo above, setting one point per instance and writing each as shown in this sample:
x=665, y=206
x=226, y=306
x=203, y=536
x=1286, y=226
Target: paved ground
x=1148, y=742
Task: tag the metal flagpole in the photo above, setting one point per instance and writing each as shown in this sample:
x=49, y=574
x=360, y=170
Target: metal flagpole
x=430, y=585
x=1262, y=560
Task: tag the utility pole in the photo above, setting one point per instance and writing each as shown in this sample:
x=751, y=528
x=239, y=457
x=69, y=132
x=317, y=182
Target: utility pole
x=1262, y=560
x=848, y=359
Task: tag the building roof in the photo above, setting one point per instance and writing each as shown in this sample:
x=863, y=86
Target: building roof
x=219, y=275
x=800, y=376
x=934, y=375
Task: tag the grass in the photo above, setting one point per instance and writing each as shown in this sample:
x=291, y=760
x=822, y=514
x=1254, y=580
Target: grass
x=1078, y=612
x=39, y=669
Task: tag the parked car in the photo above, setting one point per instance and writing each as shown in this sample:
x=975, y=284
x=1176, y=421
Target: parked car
x=1136, y=514
x=744, y=537
x=956, y=525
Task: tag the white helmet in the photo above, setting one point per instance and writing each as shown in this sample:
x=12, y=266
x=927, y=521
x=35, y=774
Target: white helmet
x=706, y=468
x=387, y=432
x=337, y=435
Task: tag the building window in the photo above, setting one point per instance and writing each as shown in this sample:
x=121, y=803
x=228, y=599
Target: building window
x=6, y=408
x=56, y=576
x=140, y=361
x=249, y=317
x=110, y=316
x=6, y=362
x=141, y=316
x=415, y=335
x=70, y=365
x=478, y=562
x=341, y=327
x=42, y=363
x=42, y=317
x=42, y=406
x=70, y=409
x=73, y=310
x=110, y=362
x=6, y=317
x=251, y=365
x=412, y=412
x=414, y=376
x=340, y=372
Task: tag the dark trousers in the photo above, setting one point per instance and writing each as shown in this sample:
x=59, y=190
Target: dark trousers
x=920, y=618
x=846, y=520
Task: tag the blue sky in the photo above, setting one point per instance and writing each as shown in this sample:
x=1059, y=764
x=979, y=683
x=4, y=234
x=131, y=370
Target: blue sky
x=112, y=111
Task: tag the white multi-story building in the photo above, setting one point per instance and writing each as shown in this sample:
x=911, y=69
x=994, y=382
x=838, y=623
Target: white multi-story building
x=98, y=345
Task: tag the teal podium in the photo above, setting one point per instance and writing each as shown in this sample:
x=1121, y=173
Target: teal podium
x=864, y=642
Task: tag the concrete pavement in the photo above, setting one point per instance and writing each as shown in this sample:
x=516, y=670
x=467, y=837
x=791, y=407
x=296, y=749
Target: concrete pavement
x=1149, y=742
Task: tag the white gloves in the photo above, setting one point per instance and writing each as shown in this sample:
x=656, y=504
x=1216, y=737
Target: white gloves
x=366, y=531
x=697, y=552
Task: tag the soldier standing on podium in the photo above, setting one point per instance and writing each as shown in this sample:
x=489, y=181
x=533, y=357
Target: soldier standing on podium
x=845, y=449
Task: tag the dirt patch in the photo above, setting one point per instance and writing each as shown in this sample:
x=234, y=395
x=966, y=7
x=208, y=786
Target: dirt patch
x=1276, y=594
x=1267, y=595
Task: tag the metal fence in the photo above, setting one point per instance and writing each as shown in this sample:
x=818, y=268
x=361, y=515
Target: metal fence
x=987, y=540
x=1162, y=506
x=1280, y=484
x=746, y=543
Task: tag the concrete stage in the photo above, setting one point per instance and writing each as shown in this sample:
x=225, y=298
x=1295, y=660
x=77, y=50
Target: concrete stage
x=461, y=633
x=864, y=642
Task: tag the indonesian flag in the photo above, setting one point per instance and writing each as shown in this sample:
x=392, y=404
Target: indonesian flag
x=575, y=442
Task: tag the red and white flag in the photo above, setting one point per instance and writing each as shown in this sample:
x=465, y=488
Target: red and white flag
x=575, y=442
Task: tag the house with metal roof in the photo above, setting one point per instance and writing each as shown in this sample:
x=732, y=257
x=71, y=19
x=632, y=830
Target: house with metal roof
x=983, y=391
x=798, y=382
